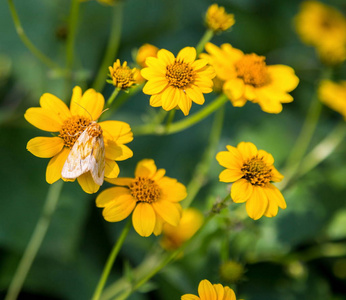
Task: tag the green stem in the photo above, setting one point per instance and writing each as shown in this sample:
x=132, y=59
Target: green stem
x=36, y=52
x=112, y=97
x=112, y=47
x=170, y=119
x=111, y=260
x=201, y=170
x=323, y=149
x=121, y=99
x=35, y=241
x=208, y=35
x=185, y=123
x=71, y=37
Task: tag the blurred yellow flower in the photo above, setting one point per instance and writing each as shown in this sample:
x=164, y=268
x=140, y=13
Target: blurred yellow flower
x=208, y=291
x=55, y=116
x=333, y=95
x=122, y=76
x=231, y=271
x=217, y=19
x=177, y=81
x=252, y=172
x=145, y=51
x=247, y=77
x=151, y=196
x=174, y=236
x=323, y=27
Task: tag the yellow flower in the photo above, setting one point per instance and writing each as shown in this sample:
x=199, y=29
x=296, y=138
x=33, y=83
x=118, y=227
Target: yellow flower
x=174, y=236
x=247, y=77
x=252, y=172
x=333, y=95
x=122, y=76
x=151, y=196
x=323, y=27
x=177, y=81
x=208, y=291
x=54, y=116
x=217, y=19
x=145, y=51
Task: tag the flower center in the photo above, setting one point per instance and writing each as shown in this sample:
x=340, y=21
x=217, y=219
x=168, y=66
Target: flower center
x=256, y=171
x=145, y=190
x=252, y=69
x=72, y=128
x=180, y=74
x=122, y=75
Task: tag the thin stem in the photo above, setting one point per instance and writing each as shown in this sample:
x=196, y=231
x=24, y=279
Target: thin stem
x=35, y=241
x=323, y=149
x=36, y=52
x=185, y=123
x=112, y=47
x=201, y=170
x=208, y=35
x=111, y=259
x=170, y=119
x=113, y=96
x=71, y=37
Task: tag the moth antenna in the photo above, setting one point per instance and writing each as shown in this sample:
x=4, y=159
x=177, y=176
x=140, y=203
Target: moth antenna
x=85, y=110
x=102, y=113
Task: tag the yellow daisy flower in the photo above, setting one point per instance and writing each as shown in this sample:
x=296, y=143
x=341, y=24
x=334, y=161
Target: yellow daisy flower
x=217, y=19
x=151, y=196
x=248, y=77
x=208, y=291
x=177, y=81
x=252, y=172
x=323, y=27
x=122, y=76
x=55, y=117
x=174, y=236
x=333, y=95
x=145, y=51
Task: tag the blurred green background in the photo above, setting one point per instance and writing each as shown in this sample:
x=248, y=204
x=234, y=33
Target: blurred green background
x=300, y=254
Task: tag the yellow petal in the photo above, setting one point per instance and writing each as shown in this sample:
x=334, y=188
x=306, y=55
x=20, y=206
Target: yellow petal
x=111, y=169
x=90, y=105
x=158, y=225
x=119, y=209
x=257, y=204
x=42, y=119
x=189, y=297
x=87, y=183
x=45, y=147
x=156, y=64
x=283, y=77
x=274, y=194
x=241, y=191
x=166, y=56
x=230, y=175
x=76, y=97
x=57, y=107
x=145, y=168
x=159, y=174
x=155, y=100
x=170, y=98
x=184, y=103
x=168, y=211
x=118, y=131
x=276, y=175
x=206, y=290
x=109, y=195
x=143, y=219
x=195, y=94
x=229, y=294
x=219, y=291
x=267, y=157
x=234, y=88
x=55, y=165
x=155, y=85
x=248, y=150
x=199, y=64
x=123, y=181
x=115, y=152
x=230, y=159
x=272, y=208
x=172, y=191
x=187, y=55
x=149, y=73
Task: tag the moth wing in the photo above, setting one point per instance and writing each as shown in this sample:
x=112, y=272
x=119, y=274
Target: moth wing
x=97, y=160
x=78, y=161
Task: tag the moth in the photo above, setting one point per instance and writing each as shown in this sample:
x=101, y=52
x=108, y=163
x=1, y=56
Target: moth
x=87, y=154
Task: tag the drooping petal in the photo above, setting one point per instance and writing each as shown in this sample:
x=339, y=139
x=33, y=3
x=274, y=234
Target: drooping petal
x=187, y=55
x=45, y=147
x=274, y=194
x=119, y=209
x=248, y=150
x=145, y=168
x=55, y=165
x=257, y=204
x=241, y=191
x=56, y=107
x=87, y=183
x=111, y=169
x=184, y=103
x=143, y=219
x=42, y=119
x=230, y=175
x=170, y=212
x=206, y=290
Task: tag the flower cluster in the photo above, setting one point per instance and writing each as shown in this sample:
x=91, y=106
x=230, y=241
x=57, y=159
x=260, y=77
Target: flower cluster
x=217, y=19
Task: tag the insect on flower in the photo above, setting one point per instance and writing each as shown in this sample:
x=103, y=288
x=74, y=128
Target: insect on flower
x=87, y=154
